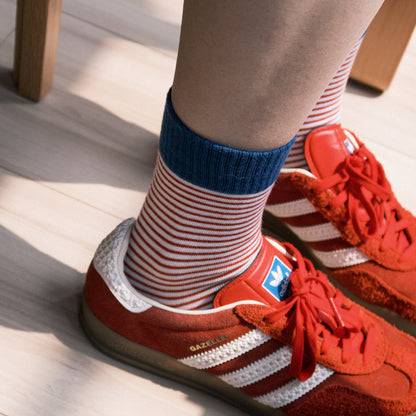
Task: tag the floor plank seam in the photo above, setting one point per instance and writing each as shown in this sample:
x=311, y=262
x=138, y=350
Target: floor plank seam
x=42, y=183
x=11, y=33
x=120, y=36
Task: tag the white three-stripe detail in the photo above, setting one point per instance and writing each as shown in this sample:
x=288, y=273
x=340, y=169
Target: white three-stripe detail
x=341, y=258
x=295, y=389
x=319, y=232
x=292, y=208
x=259, y=369
x=228, y=351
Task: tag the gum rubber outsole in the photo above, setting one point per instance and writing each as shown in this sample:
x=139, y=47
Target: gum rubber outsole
x=277, y=229
x=153, y=361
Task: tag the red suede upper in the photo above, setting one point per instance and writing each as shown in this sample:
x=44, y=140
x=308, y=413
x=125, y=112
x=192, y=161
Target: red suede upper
x=387, y=384
x=325, y=149
x=377, y=285
x=156, y=328
x=342, y=164
x=251, y=286
x=360, y=378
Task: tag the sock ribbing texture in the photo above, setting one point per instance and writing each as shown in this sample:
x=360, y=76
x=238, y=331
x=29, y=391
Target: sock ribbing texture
x=213, y=166
x=200, y=225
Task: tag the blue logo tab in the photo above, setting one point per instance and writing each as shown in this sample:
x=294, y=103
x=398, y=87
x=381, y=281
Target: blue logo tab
x=350, y=147
x=277, y=281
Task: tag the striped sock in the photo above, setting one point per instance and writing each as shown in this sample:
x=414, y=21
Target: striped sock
x=200, y=225
x=326, y=111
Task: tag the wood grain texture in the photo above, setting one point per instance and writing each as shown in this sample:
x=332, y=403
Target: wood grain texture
x=37, y=31
x=74, y=165
x=384, y=44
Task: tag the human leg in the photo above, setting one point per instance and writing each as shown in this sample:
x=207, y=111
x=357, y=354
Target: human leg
x=184, y=248
x=248, y=74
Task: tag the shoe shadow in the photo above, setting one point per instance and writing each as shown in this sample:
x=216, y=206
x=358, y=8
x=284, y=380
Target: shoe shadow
x=40, y=296
x=358, y=88
x=71, y=139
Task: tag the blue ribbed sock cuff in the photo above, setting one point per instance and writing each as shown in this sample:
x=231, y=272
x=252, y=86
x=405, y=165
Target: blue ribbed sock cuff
x=213, y=166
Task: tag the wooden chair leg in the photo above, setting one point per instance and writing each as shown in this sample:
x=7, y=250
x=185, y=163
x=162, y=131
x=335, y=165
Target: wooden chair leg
x=37, y=30
x=384, y=44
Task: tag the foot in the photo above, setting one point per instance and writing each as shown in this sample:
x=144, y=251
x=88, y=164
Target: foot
x=344, y=211
x=279, y=339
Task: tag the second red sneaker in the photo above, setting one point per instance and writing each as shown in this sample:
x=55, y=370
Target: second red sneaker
x=346, y=215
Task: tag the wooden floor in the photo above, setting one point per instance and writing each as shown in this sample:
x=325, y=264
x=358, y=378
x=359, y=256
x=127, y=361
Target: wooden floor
x=76, y=164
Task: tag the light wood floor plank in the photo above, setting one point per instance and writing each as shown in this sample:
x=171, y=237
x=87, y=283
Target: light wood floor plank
x=83, y=133
x=154, y=23
x=48, y=366
x=7, y=18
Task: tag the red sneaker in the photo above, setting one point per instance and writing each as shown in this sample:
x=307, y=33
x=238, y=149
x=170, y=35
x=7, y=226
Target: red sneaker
x=279, y=339
x=345, y=212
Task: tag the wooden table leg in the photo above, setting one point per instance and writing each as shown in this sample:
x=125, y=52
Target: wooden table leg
x=384, y=44
x=37, y=30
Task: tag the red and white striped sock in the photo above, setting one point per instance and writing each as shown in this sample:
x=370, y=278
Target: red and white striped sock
x=200, y=225
x=326, y=111
x=188, y=242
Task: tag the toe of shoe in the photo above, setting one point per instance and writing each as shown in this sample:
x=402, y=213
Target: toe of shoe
x=388, y=391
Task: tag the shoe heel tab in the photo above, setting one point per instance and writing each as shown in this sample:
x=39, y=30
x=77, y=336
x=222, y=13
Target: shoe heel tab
x=108, y=263
x=326, y=149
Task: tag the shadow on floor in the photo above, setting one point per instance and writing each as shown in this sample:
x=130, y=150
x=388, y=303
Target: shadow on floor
x=358, y=88
x=69, y=139
x=47, y=301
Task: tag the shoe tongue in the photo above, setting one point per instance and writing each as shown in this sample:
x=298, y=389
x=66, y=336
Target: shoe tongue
x=327, y=147
x=266, y=281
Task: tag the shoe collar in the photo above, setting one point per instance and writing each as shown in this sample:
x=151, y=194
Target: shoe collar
x=109, y=263
x=245, y=295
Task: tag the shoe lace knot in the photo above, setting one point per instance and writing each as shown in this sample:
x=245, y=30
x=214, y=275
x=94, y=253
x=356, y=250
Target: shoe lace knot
x=361, y=186
x=318, y=311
